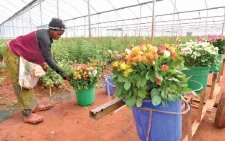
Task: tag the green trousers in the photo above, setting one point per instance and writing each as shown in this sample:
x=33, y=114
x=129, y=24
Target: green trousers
x=25, y=97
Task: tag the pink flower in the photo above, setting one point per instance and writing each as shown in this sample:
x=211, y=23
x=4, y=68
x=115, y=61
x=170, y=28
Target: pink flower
x=118, y=56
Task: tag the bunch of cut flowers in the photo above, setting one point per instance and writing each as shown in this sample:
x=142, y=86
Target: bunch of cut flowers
x=84, y=76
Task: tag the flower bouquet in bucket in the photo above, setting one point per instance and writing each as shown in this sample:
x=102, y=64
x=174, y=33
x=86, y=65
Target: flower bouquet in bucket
x=199, y=57
x=219, y=42
x=84, y=80
x=152, y=77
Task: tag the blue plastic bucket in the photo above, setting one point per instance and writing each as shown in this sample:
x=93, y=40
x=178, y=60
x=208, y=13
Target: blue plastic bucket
x=106, y=85
x=164, y=127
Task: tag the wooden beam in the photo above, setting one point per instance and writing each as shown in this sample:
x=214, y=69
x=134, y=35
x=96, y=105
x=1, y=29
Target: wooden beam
x=213, y=85
x=106, y=108
x=202, y=96
x=221, y=71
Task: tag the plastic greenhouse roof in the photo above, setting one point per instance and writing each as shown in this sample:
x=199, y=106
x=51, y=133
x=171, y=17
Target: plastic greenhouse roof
x=197, y=16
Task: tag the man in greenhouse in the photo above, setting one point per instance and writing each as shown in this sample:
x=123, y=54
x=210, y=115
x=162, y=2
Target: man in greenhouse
x=34, y=47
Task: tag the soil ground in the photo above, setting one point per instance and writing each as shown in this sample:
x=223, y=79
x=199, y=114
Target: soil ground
x=67, y=121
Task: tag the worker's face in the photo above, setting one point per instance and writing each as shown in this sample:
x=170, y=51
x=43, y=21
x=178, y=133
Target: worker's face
x=56, y=34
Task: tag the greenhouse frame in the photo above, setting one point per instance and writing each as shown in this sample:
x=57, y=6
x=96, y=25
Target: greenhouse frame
x=86, y=18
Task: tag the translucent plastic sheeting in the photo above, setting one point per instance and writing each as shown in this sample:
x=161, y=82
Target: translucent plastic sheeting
x=114, y=17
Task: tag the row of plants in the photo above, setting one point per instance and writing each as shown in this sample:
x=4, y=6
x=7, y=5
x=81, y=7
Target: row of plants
x=79, y=50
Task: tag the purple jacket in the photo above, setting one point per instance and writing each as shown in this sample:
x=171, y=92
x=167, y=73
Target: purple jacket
x=27, y=47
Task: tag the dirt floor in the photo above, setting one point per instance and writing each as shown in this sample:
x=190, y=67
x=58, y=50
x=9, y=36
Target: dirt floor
x=67, y=121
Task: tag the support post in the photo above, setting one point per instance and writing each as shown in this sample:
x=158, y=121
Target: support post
x=89, y=19
x=221, y=71
x=153, y=22
x=40, y=1
x=223, y=22
x=202, y=96
x=58, y=8
x=213, y=85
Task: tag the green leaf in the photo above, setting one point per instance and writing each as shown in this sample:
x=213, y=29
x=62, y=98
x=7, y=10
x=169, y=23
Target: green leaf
x=186, y=90
x=143, y=73
x=174, y=79
x=142, y=67
x=142, y=93
x=122, y=79
x=163, y=94
x=131, y=101
x=173, y=87
x=158, y=74
x=127, y=85
x=118, y=91
x=154, y=92
x=138, y=84
x=172, y=97
x=156, y=100
x=139, y=102
x=150, y=75
x=143, y=81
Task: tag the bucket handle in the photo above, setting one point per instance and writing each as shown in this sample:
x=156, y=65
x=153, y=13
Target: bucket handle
x=201, y=86
x=109, y=84
x=106, y=80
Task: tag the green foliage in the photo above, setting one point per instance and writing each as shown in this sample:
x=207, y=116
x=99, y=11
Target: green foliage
x=220, y=44
x=2, y=45
x=52, y=78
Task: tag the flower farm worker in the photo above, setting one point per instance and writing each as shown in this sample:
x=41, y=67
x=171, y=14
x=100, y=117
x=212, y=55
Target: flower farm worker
x=34, y=47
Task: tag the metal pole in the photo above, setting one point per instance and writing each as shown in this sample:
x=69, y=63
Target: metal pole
x=140, y=22
x=58, y=8
x=173, y=16
x=1, y=35
x=116, y=22
x=17, y=30
x=98, y=25
x=89, y=19
x=223, y=22
x=40, y=1
x=74, y=28
x=13, y=29
x=84, y=27
x=30, y=19
x=153, y=21
x=22, y=25
x=4, y=30
x=206, y=19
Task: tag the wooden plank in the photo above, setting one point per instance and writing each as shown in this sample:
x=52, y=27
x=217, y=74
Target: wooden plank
x=213, y=85
x=202, y=96
x=209, y=105
x=106, y=108
x=189, y=134
x=221, y=71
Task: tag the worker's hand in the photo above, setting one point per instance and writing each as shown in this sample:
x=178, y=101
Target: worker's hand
x=44, y=66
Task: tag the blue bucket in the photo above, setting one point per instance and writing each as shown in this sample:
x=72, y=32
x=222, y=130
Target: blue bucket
x=164, y=127
x=106, y=85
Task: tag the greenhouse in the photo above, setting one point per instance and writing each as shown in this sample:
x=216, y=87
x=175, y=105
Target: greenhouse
x=112, y=70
